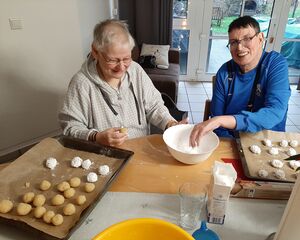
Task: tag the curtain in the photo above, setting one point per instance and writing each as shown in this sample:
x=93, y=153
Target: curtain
x=150, y=21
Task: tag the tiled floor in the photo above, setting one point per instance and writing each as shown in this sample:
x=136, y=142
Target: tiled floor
x=192, y=96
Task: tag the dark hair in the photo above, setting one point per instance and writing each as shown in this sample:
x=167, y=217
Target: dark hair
x=244, y=22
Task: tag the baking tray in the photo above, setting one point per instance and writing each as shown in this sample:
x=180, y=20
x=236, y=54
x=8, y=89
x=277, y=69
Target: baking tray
x=253, y=162
x=76, y=147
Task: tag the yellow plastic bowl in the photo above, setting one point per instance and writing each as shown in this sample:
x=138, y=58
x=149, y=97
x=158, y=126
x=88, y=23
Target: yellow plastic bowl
x=144, y=229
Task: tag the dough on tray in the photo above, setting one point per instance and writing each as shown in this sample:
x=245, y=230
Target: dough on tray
x=28, y=197
x=284, y=143
x=69, y=209
x=39, y=200
x=69, y=193
x=276, y=163
x=86, y=164
x=51, y=163
x=89, y=187
x=80, y=200
x=279, y=174
x=63, y=186
x=38, y=212
x=263, y=173
x=92, y=177
x=45, y=185
x=75, y=182
x=273, y=151
x=58, y=219
x=57, y=200
x=294, y=164
x=103, y=170
x=294, y=143
x=48, y=216
x=291, y=152
x=23, y=209
x=76, y=162
x=6, y=206
x=255, y=149
x=267, y=142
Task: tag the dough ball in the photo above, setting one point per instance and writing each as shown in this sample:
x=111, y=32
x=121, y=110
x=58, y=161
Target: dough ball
x=48, y=216
x=267, y=142
x=28, y=197
x=92, y=177
x=279, y=174
x=284, y=143
x=273, y=151
x=80, y=200
x=75, y=182
x=58, y=219
x=294, y=143
x=69, y=193
x=76, y=162
x=86, y=164
x=294, y=164
x=263, y=173
x=51, y=163
x=5, y=206
x=291, y=152
x=123, y=130
x=57, y=200
x=39, y=212
x=23, y=209
x=276, y=163
x=45, y=185
x=63, y=186
x=255, y=149
x=69, y=209
x=89, y=187
x=39, y=200
x=103, y=170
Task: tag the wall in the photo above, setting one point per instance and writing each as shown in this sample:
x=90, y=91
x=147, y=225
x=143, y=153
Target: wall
x=38, y=61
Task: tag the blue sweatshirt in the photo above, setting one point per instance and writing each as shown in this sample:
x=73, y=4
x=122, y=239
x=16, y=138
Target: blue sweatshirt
x=270, y=101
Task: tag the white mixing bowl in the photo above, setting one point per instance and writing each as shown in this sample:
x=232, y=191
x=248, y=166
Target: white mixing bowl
x=177, y=140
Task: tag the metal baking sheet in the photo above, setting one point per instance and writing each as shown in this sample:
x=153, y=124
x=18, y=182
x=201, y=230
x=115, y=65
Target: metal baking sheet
x=252, y=163
x=30, y=168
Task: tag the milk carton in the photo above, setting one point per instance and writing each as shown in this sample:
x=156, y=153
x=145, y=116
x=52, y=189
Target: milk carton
x=223, y=179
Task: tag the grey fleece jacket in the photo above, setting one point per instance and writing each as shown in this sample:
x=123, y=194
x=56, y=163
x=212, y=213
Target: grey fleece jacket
x=85, y=109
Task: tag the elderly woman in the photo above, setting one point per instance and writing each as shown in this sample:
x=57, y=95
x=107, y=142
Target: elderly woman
x=111, y=91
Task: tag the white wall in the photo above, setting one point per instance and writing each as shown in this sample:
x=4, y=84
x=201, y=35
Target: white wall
x=38, y=61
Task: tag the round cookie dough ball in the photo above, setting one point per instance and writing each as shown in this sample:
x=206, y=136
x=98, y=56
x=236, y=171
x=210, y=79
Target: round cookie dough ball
x=273, y=151
x=92, y=177
x=291, y=152
x=76, y=162
x=23, y=209
x=75, y=182
x=69, y=209
x=39, y=212
x=263, y=173
x=294, y=164
x=57, y=200
x=80, y=200
x=45, y=185
x=5, y=206
x=63, y=186
x=284, y=143
x=103, y=170
x=279, y=174
x=267, y=142
x=294, y=143
x=51, y=163
x=86, y=164
x=58, y=219
x=28, y=197
x=255, y=149
x=69, y=193
x=276, y=163
x=39, y=200
x=48, y=216
x=89, y=187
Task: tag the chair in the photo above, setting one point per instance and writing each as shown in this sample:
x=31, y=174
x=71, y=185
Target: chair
x=206, y=114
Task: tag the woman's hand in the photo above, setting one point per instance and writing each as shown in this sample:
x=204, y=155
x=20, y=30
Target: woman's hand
x=174, y=123
x=111, y=137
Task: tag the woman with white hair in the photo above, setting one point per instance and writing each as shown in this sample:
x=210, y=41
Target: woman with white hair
x=111, y=91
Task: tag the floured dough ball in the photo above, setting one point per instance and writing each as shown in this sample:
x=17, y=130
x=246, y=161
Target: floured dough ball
x=28, y=197
x=76, y=162
x=6, y=206
x=294, y=164
x=57, y=200
x=39, y=212
x=294, y=143
x=57, y=220
x=51, y=163
x=75, y=182
x=255, y=149
x=263, y=173
x=80, y=200
x=63, y=186
x=39, y=200
x=279, y=174
x=92, y=177
x=48, y=216
x=23, y=209
x=123, y=130
x=284, y=143
x=276, y=163
x=89, y=187
x=103, y=170
x=69, y=209
x=267, y=142
x=45, y=185
x=291, y=152
x=69, y=193
x=86, y=164
x=273, y=151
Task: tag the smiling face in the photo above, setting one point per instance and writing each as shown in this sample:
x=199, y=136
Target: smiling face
x=246, y=53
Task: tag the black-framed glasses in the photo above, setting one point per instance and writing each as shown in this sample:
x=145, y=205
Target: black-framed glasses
x=115, y=62
x=232, y=44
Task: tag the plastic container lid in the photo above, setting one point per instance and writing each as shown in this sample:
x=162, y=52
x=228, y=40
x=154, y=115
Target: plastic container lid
x=203, y=233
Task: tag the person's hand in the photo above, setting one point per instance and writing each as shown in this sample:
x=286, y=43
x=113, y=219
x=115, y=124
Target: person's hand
x=111, y=137
x=173, y=123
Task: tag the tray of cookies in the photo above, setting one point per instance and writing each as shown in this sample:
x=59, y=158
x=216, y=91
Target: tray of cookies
x=266, y=155
x=52, y=188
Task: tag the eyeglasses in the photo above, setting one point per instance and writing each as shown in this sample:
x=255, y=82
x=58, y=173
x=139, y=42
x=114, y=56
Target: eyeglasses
x=115, y=62
x=232, y=44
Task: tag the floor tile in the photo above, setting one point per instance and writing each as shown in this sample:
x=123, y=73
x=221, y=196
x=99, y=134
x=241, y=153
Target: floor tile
x=183, y=106
x=195, y=90
x=197, y=107
x=291, y=129
x=194, y=85
x=182, y=98
x=294, y=109
x=198, y=117
x=295, y=119
x=197, y=98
